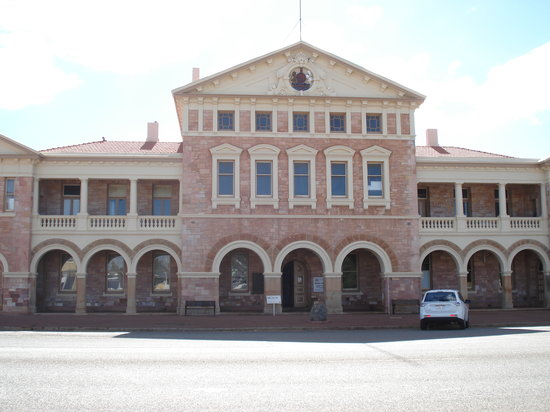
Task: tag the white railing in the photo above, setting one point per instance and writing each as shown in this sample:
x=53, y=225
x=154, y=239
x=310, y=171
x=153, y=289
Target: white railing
x=156, y=222
x=525, y=223
x=107, y=222
x=82, y=223
x=438, y=224
x=482, y=223
x=57, y=222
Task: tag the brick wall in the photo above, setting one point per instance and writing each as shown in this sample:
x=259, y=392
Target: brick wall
x=356, y=122
x=193, y=116
x=98, y=191
x=145, y=196
x=15, y=247
x=487, y=292
x=244, y=120
x=207, y=120
x=405, y=123
x=392, y=123
x=444, y=272
x=320, y=122
x=282, y=121
x=527, y=280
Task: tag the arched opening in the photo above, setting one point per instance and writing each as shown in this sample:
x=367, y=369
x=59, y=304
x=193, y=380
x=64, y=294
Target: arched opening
x=106, y=283
x=241, y=284
x=156, y=282
x=362, y=283
x=484, y=281
x=439, y=271
x=302, y=281
x=56, y=282
x=527, y=280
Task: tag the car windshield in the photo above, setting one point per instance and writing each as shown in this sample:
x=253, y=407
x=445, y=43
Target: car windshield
x=440, y=297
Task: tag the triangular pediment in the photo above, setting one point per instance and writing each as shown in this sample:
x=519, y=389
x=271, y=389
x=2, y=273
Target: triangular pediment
x=319, y=73
x=11, y=148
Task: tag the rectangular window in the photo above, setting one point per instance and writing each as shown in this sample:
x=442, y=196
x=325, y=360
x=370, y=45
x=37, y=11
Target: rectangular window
x=162, y=195
x=114, y=282
x=301, y=179
x=263, y=121
x=374, y=180
x=71, y=199
x=239, y=273
x=338, y=179
x=226, y=178
x=349, y=273
x=9, y=195
x=374, y=123
x=226, y=121
x=67, y=274
x=337, y=122
x=116, y=204
x=263, y=179
x=161, y=273
x=301, y=122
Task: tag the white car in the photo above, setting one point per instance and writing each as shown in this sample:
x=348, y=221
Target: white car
x=444, y=306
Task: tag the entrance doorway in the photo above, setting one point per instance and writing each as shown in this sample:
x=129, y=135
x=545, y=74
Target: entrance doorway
x=294, y=286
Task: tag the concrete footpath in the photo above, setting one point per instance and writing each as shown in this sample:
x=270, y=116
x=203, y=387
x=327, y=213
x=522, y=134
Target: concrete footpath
x=235, y=322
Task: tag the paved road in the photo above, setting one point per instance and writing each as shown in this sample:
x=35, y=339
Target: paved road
x=407, y=370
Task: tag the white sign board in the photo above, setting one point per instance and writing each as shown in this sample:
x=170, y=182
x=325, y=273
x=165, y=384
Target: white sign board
x=318, y=284
x=273, y=299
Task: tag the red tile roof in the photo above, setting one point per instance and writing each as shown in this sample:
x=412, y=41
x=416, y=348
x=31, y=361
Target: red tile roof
x=119, y=147
x=450, y=151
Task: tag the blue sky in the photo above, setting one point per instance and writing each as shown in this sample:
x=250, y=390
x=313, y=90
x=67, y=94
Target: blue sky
x=73, y=71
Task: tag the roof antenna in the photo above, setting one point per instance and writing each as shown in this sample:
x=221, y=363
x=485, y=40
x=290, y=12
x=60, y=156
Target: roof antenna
x=300, y=20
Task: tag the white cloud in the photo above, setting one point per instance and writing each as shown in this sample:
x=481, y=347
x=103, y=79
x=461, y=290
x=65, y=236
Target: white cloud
x=366, y=16
x=481, y=115
x=28, y=78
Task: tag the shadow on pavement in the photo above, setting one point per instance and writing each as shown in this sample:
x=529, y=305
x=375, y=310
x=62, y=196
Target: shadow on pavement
x=336, y=336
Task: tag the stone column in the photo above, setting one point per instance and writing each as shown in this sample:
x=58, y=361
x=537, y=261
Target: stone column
x=272, y=286
x=80, y=293
x=502, y=200
x=84, y=196
x=32, y=292
x=131, y=293
x=133, y=197
x=507, y=301
x=35, y=196
x=463, y=284
x=459, y=208
x=543, y=204
x=333, y=292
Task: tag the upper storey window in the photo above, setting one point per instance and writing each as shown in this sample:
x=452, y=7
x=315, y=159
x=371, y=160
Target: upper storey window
x=301, y=78
x=374, y=123
x=337, y=122
x=9, y=195
x=301, y=122
x=226, y=121
x=263, y=121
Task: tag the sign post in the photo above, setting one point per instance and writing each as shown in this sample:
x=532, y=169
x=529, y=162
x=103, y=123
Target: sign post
x=273, y=300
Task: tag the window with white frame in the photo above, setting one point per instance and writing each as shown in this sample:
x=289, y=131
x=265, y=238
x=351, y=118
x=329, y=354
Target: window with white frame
x=71, y=199
x=350, y=278
x=264, y=175
x=301, y=172
x=9, y=195
x=376, y=177
x=226, y=175
x=339, y=172
x=116, y=203
x=162, y=196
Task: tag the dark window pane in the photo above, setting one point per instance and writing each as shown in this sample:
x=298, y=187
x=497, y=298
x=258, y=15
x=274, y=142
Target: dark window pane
x=225, y=167
x=225, y=185
x=263, y=121
x=337, y=123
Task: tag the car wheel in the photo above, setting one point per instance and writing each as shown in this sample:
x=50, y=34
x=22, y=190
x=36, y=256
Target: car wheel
x=423, y=325
x=462, y=324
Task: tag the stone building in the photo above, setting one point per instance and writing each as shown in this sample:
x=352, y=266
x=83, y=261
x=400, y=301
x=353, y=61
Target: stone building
x=296, y=175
